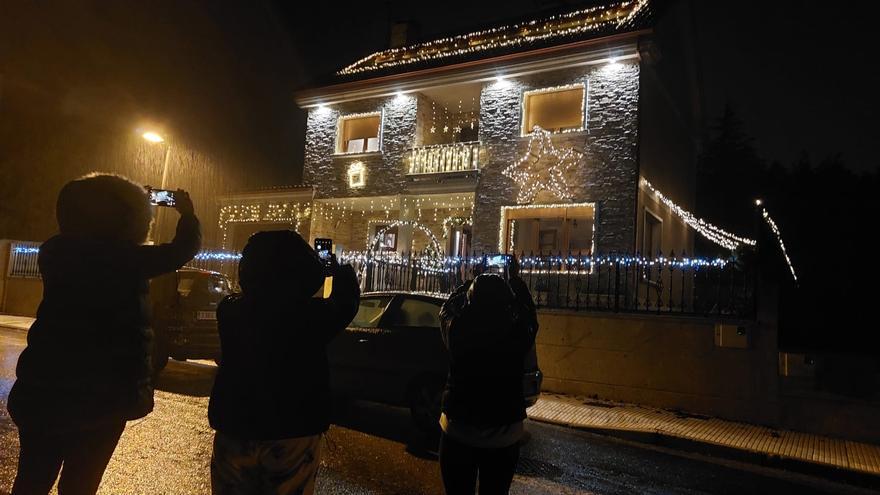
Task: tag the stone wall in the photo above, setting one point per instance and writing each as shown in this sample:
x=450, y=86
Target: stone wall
x=385, y=170
x=608, y=175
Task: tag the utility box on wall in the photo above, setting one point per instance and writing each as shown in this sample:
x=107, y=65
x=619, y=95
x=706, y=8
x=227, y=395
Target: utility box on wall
x=731, y=335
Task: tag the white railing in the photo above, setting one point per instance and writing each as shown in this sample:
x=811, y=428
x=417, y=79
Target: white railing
x=442, y=158
x=23, y=259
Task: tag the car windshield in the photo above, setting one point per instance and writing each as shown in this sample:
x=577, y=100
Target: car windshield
x=370, y=311
x=417, y=313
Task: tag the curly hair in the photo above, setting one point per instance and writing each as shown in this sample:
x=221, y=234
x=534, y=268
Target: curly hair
x=104, y=206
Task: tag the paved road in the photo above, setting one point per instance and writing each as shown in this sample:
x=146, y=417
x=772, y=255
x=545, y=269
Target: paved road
x=373, y=450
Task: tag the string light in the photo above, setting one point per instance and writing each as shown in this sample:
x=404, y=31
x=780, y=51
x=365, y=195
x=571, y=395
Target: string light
x=289, y=213
x=616, y=15
x=439, y=158
x=534, y=177
x=555, y=89
x=357, y=175
x=25, y=250
x=775, y=229
x=713, y=233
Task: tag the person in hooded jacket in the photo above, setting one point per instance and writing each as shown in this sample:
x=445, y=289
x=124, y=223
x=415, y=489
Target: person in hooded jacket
x=271, y=399
x=86, y=369
x=488, y=327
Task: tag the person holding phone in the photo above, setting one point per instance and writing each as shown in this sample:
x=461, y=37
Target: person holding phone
x=86, y=369
x=488, y=326
x=271, y=399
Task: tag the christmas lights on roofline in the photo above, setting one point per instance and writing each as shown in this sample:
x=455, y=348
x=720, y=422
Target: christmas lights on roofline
x=713, y=233
x=775, y=229
x=614, y=15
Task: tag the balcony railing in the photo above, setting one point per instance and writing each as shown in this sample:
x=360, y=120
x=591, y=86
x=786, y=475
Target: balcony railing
x=443, y=158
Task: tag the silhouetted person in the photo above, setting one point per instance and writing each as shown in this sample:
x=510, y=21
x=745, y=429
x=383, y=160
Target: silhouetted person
x=488, y=328
x=87, y=367
x=271, y=399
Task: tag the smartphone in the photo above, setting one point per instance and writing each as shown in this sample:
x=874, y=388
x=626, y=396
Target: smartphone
x=162, y=197
x=324, y=248
x=498, y=260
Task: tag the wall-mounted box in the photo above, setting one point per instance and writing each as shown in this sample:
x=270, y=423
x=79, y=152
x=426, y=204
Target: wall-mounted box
x=731, y=335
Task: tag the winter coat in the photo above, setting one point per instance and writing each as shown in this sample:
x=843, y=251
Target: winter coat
x=88, y=354
x=273, y=381
x=487, y=349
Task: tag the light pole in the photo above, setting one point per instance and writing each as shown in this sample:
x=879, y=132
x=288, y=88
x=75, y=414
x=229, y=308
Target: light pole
x=155, y=137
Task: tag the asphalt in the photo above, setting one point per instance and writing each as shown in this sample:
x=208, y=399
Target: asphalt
x=372, y=449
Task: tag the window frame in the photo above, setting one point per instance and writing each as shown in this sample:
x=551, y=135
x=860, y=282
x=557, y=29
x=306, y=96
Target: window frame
x=339, y=145
x=504, y=235
x=659, y=220
x=524, y=98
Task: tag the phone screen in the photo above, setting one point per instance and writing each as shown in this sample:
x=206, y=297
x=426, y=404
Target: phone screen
x=162, y=197
x=324, y=247
x=501, y=260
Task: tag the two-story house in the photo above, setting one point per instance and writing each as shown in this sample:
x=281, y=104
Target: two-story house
x=544, y=135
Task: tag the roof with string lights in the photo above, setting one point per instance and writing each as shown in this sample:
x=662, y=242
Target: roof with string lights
x=591, y=22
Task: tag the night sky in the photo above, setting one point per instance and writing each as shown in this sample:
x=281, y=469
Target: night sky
x=221, y=75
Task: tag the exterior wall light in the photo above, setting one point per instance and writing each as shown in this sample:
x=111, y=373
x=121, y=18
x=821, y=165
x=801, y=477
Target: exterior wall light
x=357, y=175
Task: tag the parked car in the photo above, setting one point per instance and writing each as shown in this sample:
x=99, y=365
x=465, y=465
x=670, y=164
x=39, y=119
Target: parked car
x=185, y=315
x=392, y=352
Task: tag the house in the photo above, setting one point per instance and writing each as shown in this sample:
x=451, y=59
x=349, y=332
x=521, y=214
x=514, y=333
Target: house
x=545, y=135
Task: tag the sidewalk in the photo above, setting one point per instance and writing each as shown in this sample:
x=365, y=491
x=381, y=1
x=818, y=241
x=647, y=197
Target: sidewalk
x=811, y=454
x=22, y=323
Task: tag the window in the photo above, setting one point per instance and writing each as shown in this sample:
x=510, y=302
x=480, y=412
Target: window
x=554, y=109
x=548, y=229
x=652, y=235
x=370, y=312
x=388, y=241
x=417, y=313
x=359, y=133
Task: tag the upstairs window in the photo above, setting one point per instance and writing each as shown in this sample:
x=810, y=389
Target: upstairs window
x=359, y=133
x=559, y=109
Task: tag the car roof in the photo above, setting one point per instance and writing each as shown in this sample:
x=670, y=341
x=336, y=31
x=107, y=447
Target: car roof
x=425, y=296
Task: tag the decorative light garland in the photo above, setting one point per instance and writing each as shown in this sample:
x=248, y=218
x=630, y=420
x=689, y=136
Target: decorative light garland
x=709, y=231
x=290, y=213
x=615, y=15
x=778, y=234
x=357, y=175
x=25, y=250
x=455, y=157
x=533, y=178
x=438, y=247
x=554, y=89
x=505, y=209
x=217, y=256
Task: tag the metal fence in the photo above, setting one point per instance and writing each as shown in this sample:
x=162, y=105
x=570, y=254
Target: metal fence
x=23, y=259
x=616, y=283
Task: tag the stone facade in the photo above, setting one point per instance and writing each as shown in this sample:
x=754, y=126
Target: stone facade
x=606, y=176
x=608, y=173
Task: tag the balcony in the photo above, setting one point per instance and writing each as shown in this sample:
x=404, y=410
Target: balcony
x=445, y=158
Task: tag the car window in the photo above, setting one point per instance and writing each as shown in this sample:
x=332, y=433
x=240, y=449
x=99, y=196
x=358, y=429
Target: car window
x=417, y=313
x=370, y=311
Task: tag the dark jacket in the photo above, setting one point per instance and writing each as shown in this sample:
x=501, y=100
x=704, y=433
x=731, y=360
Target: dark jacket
x=487, y=349
x=87, y=358
x=273, y=381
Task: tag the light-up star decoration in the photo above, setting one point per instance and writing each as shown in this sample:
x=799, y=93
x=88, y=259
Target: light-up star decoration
x=544, y=167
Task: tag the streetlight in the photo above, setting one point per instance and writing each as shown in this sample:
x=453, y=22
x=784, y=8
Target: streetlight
x=155, y=137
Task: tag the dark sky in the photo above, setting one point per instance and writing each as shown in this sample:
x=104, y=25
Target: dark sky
x=221, y=75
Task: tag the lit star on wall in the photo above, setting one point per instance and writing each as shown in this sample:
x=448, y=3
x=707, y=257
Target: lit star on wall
x=544, y=167
x=433, y=129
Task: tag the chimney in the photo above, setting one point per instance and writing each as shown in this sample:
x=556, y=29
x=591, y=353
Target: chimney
x=402, y=33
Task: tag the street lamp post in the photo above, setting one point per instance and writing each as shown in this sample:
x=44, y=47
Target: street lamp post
x=155, y=137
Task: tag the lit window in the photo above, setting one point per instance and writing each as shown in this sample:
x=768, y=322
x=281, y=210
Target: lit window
x=559, y=109
x=359, y=133
x=547, y=228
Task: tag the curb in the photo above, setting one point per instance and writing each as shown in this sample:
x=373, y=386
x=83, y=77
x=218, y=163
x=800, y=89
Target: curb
x=856, y=478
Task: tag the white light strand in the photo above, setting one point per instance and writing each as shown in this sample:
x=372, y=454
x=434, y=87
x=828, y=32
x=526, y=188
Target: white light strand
x=615, y=15
x=709, y=231
x=778, y=234
x=534, y=177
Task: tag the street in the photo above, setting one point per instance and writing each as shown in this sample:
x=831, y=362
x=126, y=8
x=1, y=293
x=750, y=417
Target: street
x=372, y=449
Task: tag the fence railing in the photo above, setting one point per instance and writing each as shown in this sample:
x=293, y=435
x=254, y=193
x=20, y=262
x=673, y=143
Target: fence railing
x=23, y=258
x=616, y=283
x=440, y=158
